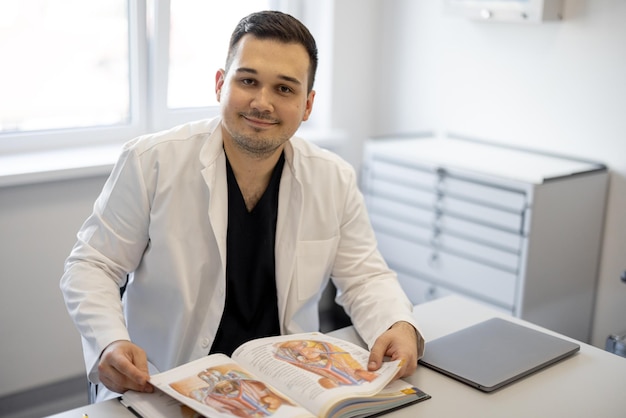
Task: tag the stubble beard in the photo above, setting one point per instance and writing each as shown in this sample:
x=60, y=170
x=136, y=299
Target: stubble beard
x=257, y=146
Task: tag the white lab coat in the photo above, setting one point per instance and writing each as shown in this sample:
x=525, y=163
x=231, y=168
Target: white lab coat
x=162, y=215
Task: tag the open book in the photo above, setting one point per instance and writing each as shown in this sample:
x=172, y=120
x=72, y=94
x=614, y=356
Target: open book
x=300, y=375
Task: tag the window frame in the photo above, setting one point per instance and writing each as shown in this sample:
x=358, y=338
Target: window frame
x=162, y=117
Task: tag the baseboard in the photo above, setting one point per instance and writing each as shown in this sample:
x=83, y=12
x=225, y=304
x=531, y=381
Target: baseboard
x=46, y=399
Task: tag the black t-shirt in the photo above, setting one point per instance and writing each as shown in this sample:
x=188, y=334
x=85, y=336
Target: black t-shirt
x=251, y=309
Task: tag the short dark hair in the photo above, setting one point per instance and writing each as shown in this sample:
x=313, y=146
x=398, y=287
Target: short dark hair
x=279, y=26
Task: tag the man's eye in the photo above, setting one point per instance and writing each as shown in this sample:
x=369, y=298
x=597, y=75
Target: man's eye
x=284, y=89
x=247, y=82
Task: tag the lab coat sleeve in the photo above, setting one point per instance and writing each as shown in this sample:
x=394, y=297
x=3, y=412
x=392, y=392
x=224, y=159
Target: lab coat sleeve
x=109, y=244
x=368, y=290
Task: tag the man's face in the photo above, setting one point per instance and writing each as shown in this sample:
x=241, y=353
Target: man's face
x=263, y=95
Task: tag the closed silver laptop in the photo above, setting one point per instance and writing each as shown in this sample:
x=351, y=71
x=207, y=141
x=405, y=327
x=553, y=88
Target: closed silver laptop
x=494, y=353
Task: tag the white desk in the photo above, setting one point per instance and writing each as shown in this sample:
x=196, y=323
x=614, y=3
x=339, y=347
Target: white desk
x=592, y=383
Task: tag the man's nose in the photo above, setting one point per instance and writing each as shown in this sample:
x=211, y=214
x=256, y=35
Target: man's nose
x=262, y=100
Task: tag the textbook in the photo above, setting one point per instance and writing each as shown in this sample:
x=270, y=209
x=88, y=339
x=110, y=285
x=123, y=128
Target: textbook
x=299, y=375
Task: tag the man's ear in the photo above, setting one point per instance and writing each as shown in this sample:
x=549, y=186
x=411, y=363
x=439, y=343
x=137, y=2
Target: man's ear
x=309, y=105
x=219, y=83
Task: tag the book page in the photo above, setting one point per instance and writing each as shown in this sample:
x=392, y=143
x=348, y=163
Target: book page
x=156, y=405
x=218, y=387
x=317, y=369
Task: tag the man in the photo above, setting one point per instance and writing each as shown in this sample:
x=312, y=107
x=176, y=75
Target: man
x=229, y=230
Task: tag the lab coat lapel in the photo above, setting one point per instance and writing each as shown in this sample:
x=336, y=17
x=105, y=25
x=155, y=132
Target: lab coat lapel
x=287, y=230
x=214, y=174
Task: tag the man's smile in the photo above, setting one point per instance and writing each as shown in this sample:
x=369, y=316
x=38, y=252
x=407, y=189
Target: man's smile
x=259, y=122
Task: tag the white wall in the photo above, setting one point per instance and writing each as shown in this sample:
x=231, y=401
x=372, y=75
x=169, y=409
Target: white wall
x=558, y=87
x=38, y=225
x=355, y=69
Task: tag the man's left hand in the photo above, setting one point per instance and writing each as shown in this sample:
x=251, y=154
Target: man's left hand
x=400, y=342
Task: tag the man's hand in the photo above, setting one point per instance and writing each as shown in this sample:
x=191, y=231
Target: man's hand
x=401, y=341
x=124, y=366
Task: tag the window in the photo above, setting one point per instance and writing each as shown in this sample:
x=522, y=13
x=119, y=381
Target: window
x=60, y=72
x=190, y=42
x=198, y=46
x=79, y=73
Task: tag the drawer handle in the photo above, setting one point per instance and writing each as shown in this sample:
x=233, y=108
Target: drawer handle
x=439, y=182
x=438, y=206
x=433, y=260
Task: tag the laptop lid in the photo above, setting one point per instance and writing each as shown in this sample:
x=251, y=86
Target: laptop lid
x=494, y=353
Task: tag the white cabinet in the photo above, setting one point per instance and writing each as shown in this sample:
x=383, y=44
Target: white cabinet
x=530, y=11
x=518, y=230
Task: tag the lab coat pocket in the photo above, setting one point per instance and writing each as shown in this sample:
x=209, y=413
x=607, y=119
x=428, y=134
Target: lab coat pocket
x=314, y=264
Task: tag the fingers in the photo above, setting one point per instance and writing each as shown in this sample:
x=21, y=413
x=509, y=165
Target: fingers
x=400, y=342
x=123, y=366
x=376, y=355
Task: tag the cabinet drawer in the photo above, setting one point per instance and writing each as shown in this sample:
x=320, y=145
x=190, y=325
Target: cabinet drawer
x=507, y=240
x=447, y=242
x=447, y=205
x=380, y=207
x=377, y=205
x=442, y=182
x=480, y=253
x=421, y=291
x=395, y=172
x=398, y=227
x=488, y=194
x=453, y=271
x=490, y=216
x=401, y=192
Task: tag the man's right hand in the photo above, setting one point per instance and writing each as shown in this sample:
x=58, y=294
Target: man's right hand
x=124, y=366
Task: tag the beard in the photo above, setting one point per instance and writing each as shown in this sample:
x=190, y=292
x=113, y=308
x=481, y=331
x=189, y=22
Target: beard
x=258, y=144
